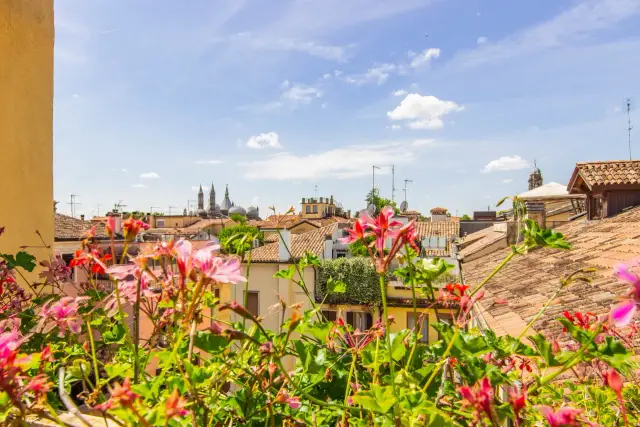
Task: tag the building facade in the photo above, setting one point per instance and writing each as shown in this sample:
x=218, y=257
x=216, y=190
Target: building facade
x=26, y=124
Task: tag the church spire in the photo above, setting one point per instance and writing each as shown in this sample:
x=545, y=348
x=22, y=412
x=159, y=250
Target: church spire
x=212, y=199
x=535, y=177
x=200, y=198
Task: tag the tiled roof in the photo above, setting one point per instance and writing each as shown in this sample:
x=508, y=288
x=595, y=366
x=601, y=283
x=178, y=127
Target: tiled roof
x=438, y=211
x=204, y=223
x=447, y=229
x=69, y=228
x=606, y=173
x=312, y=241
x=481, y=240
x=528, y=281
x=289, y=221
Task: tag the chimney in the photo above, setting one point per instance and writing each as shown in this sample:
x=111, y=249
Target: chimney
x=82, y=217
x=536, y=211
x=328, y=247
x=283, y=244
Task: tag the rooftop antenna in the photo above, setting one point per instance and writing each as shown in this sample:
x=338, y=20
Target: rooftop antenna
x=151, y=208
x=98, y=210
x=393, y=183
x=171, y=207
x=315, y=188
x=374, y=167
x=630, y=106
x=405, y=188
x=73, y=204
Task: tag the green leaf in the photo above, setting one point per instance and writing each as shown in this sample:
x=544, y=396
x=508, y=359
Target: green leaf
x=308, y=259
x=205, y=340
x=118, y=370
x=379, y=398
x=336, y=286
x=115, y=335
x=398, y=348
x=22, y=259
x=287, y=273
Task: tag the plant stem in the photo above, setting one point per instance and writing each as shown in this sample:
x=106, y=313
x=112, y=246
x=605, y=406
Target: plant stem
x=136, y=326
x=348, y=389
x=443, y=361
x=93, y=351
x=493, y=273
x=385, y=313
x=537, y=316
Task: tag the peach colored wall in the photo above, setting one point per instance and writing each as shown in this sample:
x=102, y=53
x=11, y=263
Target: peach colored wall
x=26, y=124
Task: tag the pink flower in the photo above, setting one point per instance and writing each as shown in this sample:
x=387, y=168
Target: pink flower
x=9, y=343
x=175, y=406
x=283, y=397
x=518, y=400
x=614, y=381
x=355, y=234
x=128, y=291
x=563, y=417
x=131, y=227
x=622, y=314
x=212, y=266
x=480, y=397
x=38, y=385
x=110, y=226
x=63, y=314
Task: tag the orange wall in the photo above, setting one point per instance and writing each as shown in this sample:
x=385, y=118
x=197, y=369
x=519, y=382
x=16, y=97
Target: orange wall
x=26, y=123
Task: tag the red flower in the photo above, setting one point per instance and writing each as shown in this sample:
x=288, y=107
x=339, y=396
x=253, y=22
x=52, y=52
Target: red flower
x=131, y=227
x=614, y=381
x=563, y=417
x=110, y=226
x=355, y=234
x=518, y=400
x=175, y=406
x=480, y=397
x=120, y=395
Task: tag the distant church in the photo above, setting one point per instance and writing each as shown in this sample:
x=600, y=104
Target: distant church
x=225, y=209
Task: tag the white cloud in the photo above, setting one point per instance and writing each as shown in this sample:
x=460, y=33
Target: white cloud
x=326, y=76
x=317, y=49
x=395, y=127
x=208, y=162
x=423, y=112
x=482, y=40
x=377, y=74
x=343, y=163
x=506, y=163
x=422, y=142
x=571, y=26
x=150, y=175
x=300, y=94
x=293, y=96
x=507, y=181
x=337, y=73
x=264, y=140
x=139, y=186
x=423, y=57
x=400, y=92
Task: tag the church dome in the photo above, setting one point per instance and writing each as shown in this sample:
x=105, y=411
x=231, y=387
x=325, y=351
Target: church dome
x=253, y=212
x=201, y=213
x=237, y=210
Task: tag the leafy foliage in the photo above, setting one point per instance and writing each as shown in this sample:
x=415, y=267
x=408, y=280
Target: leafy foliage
x=358, y=275
x=239, y=238
x=466, y=217
x=373, y=196
x=239, y=218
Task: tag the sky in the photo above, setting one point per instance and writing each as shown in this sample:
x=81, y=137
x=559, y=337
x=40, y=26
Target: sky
x=156, y=97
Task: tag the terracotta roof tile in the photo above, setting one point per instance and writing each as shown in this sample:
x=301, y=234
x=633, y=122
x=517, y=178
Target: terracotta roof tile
x=446, y=229
x=607, y=173
x=69, y=228
x=528, y=281
x=313, y=241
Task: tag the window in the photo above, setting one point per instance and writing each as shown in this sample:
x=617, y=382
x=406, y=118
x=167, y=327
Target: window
x=330, y=315
x=160, y=223
x=445, y=318
x=308, y=209
x=315, y=208
x=253, y=303
x=596, y=208
x=424, y=325
x=359, y=320
x=216, y=293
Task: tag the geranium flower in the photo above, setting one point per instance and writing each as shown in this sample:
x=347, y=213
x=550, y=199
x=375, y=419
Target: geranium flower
x=131, y=227
x=121, y=395
x=480, y=397
x=110, y=226
x=563, y=417
x=614, y=381
x=582, y=320
x=175, y=406
x=622, y=313
x=9, y=343
x=355, y=234
x=283, y=397
x=55, y=270
x=518, y=400
x=128, y=290
x=63, y=314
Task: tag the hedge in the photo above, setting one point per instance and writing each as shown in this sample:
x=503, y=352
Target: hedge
x=363, y=286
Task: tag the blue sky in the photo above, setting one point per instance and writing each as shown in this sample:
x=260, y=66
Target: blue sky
x=154, y=97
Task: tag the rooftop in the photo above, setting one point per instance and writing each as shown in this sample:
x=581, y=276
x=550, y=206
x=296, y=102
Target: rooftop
x=527, y=282
x=614, y=172
x=69, y=228
x=443, y=229
x=313, y=242
x=549, y=191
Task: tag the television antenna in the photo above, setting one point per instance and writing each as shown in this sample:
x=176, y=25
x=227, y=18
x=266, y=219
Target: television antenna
x=315, y=189
x=630, y=106
x=393, y=183
x=119, y=205
x=406, y=181
x=73, y=204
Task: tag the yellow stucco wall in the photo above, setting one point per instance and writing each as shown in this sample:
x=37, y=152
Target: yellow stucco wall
x=173, y=221
x=26, y=123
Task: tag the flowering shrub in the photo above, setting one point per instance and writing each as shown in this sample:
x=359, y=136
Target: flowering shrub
x=84, y=352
